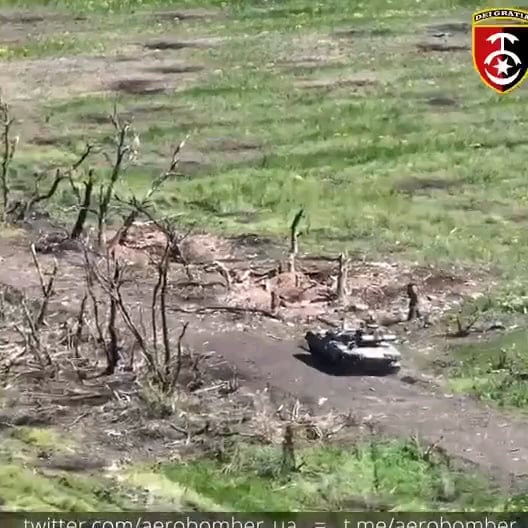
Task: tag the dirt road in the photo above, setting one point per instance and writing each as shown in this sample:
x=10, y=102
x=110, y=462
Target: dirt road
x=462, y=426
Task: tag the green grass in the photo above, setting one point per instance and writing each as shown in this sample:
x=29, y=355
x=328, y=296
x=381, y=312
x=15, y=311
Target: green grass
x=378, y=169
x=42, y=438
x=495, y=370
x=391, y=475
x=27, y=486
x=62, y=44
x=24, y=487
x=400, y=476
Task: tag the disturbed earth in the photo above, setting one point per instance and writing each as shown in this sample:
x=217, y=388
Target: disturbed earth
x=235, y=329
x=247, y=312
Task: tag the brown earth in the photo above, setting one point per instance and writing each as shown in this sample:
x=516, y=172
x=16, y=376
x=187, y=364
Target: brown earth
x=269, y=353
x=265, y=350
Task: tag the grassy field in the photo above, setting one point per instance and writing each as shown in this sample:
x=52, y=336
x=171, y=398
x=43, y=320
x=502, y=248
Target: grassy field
x=22, y=487
x=381, y=476
x=495, y=371
x=397, y=476
x=339, y=107
x=390, y=149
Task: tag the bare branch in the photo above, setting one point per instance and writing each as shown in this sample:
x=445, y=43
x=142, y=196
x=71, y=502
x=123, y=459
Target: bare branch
x=85, y=207
x=176, y=374
x=294, y=236
x=47, y=288
x=9, y=145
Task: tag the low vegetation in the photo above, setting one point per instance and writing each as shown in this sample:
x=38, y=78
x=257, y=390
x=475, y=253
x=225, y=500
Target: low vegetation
x=233, y=116
x=379, y=476
x=495, y=370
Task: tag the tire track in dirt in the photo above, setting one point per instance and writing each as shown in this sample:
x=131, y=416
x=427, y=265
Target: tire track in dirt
x=463, y=427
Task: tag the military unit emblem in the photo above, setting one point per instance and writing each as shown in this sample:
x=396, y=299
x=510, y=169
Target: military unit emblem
x=500, y=47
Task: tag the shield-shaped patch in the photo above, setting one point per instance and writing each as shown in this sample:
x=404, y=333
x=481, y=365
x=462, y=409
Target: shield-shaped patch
x=500, y=47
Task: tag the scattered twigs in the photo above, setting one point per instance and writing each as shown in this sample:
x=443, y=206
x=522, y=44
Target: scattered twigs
x=33, y=336
x=220, y=308
x=111, y=281
x=60, y=176
x=165, y=368
x=40, y=197
x=139, y=206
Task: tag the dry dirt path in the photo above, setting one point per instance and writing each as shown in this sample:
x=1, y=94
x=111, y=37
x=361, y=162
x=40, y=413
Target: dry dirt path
x=465, y=428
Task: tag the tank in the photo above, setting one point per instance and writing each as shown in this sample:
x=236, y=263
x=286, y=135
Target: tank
x=367, y=350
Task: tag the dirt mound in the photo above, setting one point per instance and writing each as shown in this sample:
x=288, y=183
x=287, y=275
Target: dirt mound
x=195, y=248
x=138, y=86
x=185, y=14
x=173, y=44
x=372, y=290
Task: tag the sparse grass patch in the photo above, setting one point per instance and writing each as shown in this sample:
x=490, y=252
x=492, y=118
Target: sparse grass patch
x=172, y=495
x=391, y=475
x=494, y=370
x=24, y=489
x=353, y=158
x=48, y=46
x=42, y=438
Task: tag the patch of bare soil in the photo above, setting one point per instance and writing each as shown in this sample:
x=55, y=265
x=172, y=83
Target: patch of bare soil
x=348, y=33
x=34, y=16
x=309, y=63
x=450, y=27
x=72, y=76
x=446, y=36
x=179, y=15
x=375, y=290
x=226, y=143
x=352, y=83
x=444, y=42
x=18, y=26
x=424, y=185
x=122, y=417
x=138, y=86
x=174, y=44
x=129, y=69
x=176, y=68
x=442, y=101
x=217, y=294
x=311, y=48
x=442, y=45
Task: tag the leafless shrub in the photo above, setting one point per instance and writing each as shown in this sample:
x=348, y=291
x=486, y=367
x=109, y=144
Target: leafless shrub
x=161, y=361
x=124, y=152
x=34, y=314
